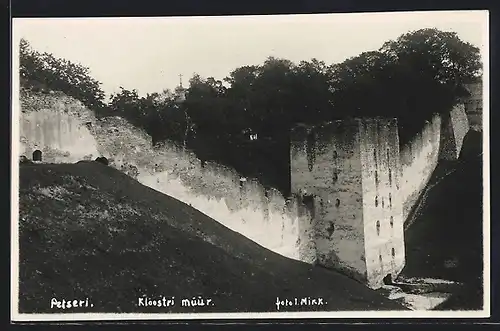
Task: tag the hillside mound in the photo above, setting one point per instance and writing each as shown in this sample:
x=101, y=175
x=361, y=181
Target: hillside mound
x=90, y=231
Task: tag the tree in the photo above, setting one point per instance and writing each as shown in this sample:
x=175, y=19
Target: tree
x=433, y=67
x=48, y=72
x=411, y=78
x=311, y=95
x=449, y=60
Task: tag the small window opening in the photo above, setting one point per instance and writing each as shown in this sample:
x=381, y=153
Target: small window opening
x=376, y=201
x=378, y=228
x=375, y=155
x=335, y=176
x=390, y=177
x=376, y=177
x=393, y=252
x=337, y=203
x=380, y=258
x=390, y=200
x=392, y=221
x=335, y=154
x=382, y=202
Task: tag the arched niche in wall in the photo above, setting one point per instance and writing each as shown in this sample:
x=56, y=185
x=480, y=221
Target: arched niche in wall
x=37, y=155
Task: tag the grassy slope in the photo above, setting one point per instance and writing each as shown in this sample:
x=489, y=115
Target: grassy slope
x=87, y=230
x=445, y=241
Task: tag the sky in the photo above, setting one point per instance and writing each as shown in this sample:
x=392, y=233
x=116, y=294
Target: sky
x=149, y=54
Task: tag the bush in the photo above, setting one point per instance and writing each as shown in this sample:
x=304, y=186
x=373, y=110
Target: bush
x=24, y=160
x=103, y=160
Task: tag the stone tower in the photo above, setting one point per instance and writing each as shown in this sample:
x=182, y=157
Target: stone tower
x=348, y=172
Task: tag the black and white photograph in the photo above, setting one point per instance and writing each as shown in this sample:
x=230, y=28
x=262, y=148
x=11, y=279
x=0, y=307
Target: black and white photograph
x=260, y=166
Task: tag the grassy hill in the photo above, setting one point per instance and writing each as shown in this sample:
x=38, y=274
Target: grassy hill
x=89, y=231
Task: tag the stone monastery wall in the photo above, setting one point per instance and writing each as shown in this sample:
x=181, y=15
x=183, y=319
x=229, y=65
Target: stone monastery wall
x=66, y=132
x=441, y=139
x=349, y=172
x=419, y=158
x=353, y=187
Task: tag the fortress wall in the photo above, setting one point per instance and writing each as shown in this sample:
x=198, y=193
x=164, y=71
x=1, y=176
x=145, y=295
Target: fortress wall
x=457, y=127
x=441, y=139
x=263, y=215
x=331, y=218
x=382, y=206
x=419, y=158
x=123, y=144
x=66, y=131
x=396, y=216
x=71, y=130
x=326, y=172
x=56, y=125
x=474, y=106
x=475, y=120
x=448, y=146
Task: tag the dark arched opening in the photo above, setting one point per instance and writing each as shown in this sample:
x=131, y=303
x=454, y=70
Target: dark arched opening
x=37, y=155
x=388, y=279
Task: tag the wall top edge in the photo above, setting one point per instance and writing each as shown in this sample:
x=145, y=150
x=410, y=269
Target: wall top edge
x=347, y=121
